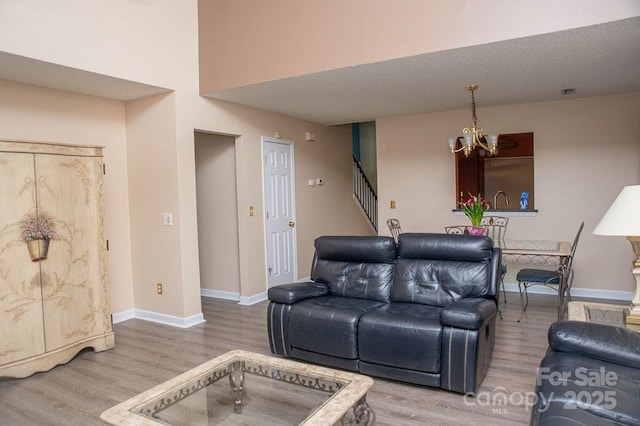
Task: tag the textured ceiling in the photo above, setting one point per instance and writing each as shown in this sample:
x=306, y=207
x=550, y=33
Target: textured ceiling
x=596, y=60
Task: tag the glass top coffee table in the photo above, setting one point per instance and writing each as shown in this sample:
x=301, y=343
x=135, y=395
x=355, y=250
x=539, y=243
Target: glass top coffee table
x=244, y=388
x=601, y=313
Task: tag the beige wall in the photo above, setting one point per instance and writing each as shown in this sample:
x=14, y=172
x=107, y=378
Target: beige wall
x=137, y=40
x=31, y=113
x=150, y=147
x=151, y=161
x=328, y=209
x=329, y=34
x=217, y=212
x=586, y=150
x=150, y=144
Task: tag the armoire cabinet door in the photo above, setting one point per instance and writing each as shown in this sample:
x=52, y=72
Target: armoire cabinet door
x=67, y=192
x=21, y=322
x=54, y=305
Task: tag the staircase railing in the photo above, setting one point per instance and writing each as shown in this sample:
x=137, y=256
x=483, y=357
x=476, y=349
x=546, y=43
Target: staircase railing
x=365, y=194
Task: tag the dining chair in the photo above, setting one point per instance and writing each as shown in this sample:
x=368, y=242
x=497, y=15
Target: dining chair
x=496, y=228
x=455, y=229
x=559, y=280
x=394, y=228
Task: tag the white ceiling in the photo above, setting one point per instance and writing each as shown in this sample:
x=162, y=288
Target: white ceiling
x=596, y=60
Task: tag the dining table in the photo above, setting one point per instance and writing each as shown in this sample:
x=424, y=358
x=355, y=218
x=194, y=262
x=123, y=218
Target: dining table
x=542, y=253
x=538, y=252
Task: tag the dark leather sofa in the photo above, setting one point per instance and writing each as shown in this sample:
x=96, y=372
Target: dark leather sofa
x=589, y=376
x=422, y=311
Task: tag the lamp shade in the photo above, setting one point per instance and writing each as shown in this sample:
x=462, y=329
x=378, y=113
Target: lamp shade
x=623, y=217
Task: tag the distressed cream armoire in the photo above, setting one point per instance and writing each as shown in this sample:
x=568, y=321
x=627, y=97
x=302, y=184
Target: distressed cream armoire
x=53, y=292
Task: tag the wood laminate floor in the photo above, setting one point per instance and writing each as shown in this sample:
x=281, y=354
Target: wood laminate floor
x=147, y=354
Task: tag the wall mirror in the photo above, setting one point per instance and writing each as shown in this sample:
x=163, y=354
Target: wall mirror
x=501, y=177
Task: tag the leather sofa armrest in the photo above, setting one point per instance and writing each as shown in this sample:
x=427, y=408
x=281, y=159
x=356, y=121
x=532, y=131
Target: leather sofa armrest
x=603, y=342
x=469, y=314
x=289, y=294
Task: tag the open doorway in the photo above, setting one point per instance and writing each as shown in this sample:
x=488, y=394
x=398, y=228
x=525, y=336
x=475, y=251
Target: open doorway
x=217, y=210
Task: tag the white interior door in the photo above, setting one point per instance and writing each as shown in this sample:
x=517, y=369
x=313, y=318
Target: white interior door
x=279, y=197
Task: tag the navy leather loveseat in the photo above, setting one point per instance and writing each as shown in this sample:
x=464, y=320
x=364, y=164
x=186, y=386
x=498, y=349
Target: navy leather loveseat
x=422, y=311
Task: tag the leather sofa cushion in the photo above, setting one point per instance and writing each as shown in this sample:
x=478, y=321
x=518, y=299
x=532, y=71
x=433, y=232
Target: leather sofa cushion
x=607, y=392
x=438, y=282
x=463, y=248
x=357, y=267
x=366, y=249
x=294, y=292
x=440, y=269
x=328, y=325
x=556, y=414
x=402, y=335
x=371, y=281
x=604, y=342
x=470, y=314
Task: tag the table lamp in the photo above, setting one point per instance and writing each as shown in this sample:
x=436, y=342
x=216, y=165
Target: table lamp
x=623, y=218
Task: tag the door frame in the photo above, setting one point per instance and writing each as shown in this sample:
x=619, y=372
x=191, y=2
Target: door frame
x=294, y=251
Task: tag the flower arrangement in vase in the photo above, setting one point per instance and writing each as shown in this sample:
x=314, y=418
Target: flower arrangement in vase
x=474, y=208
x=37, y=231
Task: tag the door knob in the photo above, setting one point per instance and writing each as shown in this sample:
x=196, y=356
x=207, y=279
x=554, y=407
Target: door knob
x=291, y=224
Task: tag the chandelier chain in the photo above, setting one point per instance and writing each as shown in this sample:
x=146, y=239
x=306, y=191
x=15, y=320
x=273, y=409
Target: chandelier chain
x=473, y=136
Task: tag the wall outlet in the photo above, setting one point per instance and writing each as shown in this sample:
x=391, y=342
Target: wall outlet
x=392, y=204
x=167, y=219
x=159, y=288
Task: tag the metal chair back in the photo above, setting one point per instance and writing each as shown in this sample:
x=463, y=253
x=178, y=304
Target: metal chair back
x=496, y=227
x=394, y=228
x=560, y=280
x=568, y=268
x=455, y=229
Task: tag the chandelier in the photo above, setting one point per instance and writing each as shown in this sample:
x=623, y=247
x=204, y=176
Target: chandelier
x=473, y=137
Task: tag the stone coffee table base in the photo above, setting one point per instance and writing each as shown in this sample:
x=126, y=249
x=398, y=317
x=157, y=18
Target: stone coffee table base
x=239, y=387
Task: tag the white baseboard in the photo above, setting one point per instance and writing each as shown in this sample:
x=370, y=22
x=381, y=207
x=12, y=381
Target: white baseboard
x=228, y=295
x=589, y=293
x=158, y=318
x=257, y=298
x=217, y=294
x=123, y=316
